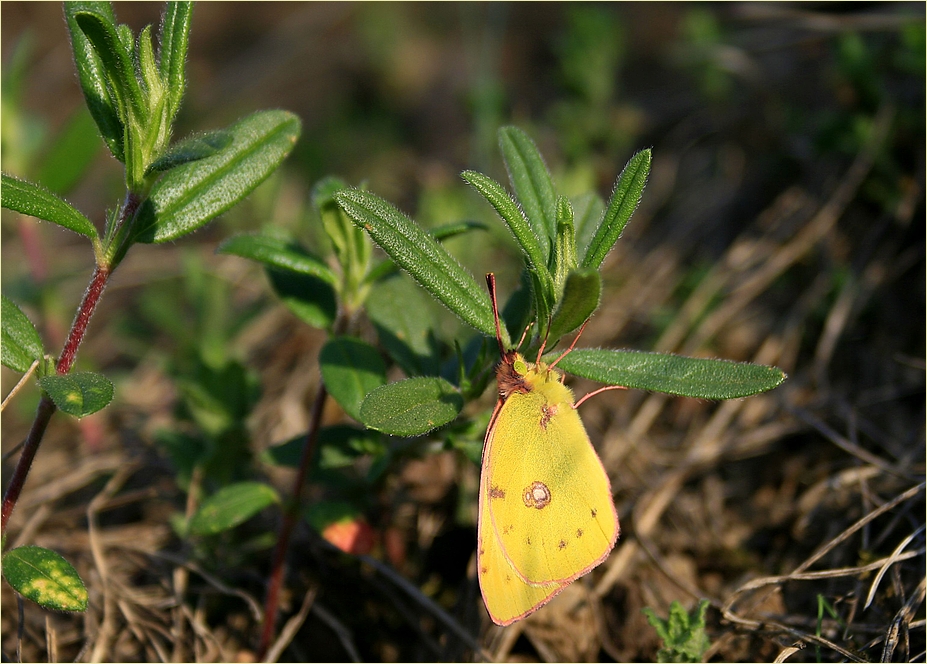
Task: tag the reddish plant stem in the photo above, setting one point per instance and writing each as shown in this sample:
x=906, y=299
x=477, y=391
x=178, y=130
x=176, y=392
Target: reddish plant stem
x=42, y=417
x=47, y=407
x=290, y=517
x=79, y=326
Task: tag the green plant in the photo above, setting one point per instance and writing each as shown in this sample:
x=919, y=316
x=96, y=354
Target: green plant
x=683, y=634
x=561, y=288
x=133, y=94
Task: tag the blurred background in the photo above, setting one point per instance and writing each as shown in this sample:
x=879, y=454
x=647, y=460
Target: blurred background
x=783, y=223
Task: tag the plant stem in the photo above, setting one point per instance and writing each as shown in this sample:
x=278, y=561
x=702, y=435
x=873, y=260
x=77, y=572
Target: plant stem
x=84, y=312
x=46, y=406
x=290, y=517
x=42, y=416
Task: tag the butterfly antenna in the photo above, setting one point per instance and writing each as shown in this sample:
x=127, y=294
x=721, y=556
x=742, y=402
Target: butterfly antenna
x=572, y=345
x=491, y=285
x=595, y=392
x=544, y=342
x=524, y=334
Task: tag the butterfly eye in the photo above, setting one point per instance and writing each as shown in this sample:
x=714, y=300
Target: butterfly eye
x=520, y=366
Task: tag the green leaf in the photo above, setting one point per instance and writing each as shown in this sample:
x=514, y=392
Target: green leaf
x=702, y=378
x=116, y=58
x=581, y=296
x=402, y=317
x=36, y=201
x=387, y=267
x=310, y=299
x=231, y=506
x=278, y=253
x=192, y=148
x=351, y=369
x=188, y=196
x=531, y=181
x=411, y=407
x=172, y=55
x=20, y=344
x=421, y=256
x=587, y=212
x=525, y=233
x=563, y=260
x=624, y=200
x=71, y=153
x=46, y=578
x=79, y=394
x=92, y=76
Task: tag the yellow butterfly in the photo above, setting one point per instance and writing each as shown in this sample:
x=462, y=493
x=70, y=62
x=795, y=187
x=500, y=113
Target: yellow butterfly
x=546, y=514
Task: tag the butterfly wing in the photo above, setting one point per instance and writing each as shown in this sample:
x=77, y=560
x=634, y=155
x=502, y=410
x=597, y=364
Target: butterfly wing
x=548, y=495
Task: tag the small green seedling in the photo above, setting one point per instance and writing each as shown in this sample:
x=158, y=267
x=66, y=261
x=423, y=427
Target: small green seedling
x=683, y=634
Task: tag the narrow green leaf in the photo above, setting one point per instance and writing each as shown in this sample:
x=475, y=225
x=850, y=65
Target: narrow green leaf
x=532, y=183
x=188, y=196
x=192, y=148
x=411, y=407
x=46, y=578
x=92, y=76
x=279, y=253
x=172, y=54
x=78, y=394
x=624, y=200
x=351, y=369
x=20, y=344
x=702, y=378
x=421, y=256
x=116, y=59
x=37, y=201
x=525, y=233
x=588, y=210
x=399, y=311
x=387, y=267
x=563, y=259
x=311, y=299
x=231, y=506
x=581, y=296
x=72, y=151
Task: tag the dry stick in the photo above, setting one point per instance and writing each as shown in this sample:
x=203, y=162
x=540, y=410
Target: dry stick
x=290, y=517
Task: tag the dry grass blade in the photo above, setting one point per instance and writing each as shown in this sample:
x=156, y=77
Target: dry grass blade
x=107, y=632
x=892, y=559
x=292, y=626
x=849, y=446
x=899, y=622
